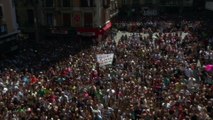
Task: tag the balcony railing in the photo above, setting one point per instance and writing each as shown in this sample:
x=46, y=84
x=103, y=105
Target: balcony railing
x=113, y=13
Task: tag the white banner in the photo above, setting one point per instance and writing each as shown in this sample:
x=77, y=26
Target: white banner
x=105, y=59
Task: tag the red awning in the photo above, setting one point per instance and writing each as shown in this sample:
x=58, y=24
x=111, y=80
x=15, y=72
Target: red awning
x=93, y=31
x=107, y=26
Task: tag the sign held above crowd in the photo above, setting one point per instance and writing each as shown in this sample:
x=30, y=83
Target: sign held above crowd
x=105, y=59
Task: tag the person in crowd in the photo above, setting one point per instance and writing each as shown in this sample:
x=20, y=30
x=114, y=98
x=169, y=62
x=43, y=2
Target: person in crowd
x=158, y=73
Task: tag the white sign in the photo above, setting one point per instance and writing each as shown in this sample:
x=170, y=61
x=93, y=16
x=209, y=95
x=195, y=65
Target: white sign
x=105, y=59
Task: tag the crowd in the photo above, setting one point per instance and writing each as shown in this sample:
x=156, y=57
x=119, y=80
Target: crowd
x=157, y=74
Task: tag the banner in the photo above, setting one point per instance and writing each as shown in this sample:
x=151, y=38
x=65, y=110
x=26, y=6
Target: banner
x=209, y=68
x=76, y=18
x=105, y=59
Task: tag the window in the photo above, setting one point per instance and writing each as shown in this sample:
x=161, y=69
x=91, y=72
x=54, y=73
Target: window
x=148, y=2
x=1, y=11
x=30, y=2
x=66, y=3
x=13, y=3
x=88, y=20
x=66, y=19
x=30, y=15
x=138, y=2
x=3, y=29
x=87, y=3
x=49, y=3
x=106, y=3
x=49, y=19
x=163, y=2
x=124, y=2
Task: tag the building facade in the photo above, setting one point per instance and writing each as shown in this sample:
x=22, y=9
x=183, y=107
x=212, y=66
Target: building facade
x=8, y=26
x=159, y=3
x=26, y=16
x=154, y=7
x=209, y=5
x=67, y=17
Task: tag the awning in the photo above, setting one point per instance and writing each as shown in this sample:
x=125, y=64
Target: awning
x=58, y=31
x=107, y=26
x=94, y=31
x=62, y=32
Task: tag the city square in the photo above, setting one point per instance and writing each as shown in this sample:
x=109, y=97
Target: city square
x=106, y=60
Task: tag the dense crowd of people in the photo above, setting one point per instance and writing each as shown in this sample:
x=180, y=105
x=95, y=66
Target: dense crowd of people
x=158, y=73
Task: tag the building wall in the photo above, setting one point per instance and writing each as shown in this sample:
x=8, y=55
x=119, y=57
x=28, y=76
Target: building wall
x=26, y=16
x=154, y=2
x=119, y=3
x=77, y=14
x=209, y=5
x=76, y=3
x=9, y=17
x=8, y=27
x=53, y=17
x=77, y=18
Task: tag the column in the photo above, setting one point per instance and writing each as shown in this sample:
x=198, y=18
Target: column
x=98, y=13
